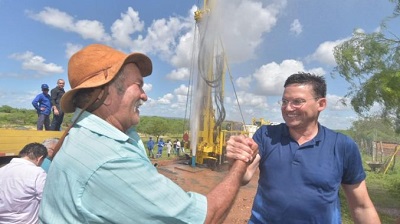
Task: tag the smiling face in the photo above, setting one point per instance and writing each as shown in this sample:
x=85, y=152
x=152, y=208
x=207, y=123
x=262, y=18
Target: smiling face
x=125, y=96
x=301, y=117
x=60, y=83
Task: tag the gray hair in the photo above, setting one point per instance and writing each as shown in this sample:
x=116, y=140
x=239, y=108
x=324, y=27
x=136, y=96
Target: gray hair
x=50, y=141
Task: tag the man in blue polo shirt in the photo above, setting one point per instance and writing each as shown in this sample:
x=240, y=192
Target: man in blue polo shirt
x=42, y=104
x=303, y=164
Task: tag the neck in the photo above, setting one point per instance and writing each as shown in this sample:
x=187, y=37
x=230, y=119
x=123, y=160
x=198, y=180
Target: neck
x=303, y=135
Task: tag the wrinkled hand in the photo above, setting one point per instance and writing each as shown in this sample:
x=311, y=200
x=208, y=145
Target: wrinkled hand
x=242, y=148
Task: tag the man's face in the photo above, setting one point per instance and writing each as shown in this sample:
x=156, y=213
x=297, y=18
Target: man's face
x=125, y=106
x=60, y=83
x=300, y=108
x=50, y=150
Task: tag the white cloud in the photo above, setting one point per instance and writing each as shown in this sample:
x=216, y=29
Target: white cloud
x=87, y=29
x=245, y=33
x=166, y=99
x=269, y=78
x=161, y=37
x=335, y=102
x=179, y=74
x=72, y=49
x=296, y=28
x=123, y=28
x=36, y=63
x=147, y=87
x=324, y=52
x=252, y=100
x=244, y=82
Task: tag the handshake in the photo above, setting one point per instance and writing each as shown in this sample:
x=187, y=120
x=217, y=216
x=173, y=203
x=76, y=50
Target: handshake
x=242, y=153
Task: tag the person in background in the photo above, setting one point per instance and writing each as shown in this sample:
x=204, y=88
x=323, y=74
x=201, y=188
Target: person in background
x=183, y=147
x=21, y=186
x=50, y=144
x=303, y=164
x=150, y=147
x=174, y=148
x=160, y=146
x=42, y=104
x=178, y=147
x=58, y=115
x=169, y=147
x=102, y=173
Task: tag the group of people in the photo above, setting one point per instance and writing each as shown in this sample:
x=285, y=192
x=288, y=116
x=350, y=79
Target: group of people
x=22, y=183
x=45, y=103
x=174, y=147
x=102, y=173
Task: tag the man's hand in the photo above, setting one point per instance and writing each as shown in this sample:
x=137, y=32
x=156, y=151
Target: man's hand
x=55, y=111
x=242, y=148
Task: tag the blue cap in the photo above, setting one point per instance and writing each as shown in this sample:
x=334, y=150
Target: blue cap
x=45, y=86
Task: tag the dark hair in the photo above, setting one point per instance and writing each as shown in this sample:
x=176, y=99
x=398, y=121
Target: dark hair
x=33, y=151
x=317, y=82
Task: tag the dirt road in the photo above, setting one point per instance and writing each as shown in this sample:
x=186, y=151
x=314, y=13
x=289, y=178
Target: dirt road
x=202, y=180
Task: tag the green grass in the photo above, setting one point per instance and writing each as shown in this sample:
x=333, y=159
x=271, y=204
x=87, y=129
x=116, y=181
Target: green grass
x=384, y=191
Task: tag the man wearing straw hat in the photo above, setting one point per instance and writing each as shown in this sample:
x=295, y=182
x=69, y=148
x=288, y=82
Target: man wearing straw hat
x=101, y=173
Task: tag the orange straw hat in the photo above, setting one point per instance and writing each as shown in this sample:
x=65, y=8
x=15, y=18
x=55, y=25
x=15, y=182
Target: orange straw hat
x=96, y=65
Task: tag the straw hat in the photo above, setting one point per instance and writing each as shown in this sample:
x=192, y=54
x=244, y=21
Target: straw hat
x=96, y=65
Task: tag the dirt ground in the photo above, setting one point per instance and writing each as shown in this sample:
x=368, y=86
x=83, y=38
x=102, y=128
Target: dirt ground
x=202, y=180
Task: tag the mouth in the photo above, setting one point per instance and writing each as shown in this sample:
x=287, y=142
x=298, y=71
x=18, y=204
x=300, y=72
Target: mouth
x=291, y=116
x=138, y=104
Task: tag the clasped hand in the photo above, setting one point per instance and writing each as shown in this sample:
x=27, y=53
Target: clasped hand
x=240, y=147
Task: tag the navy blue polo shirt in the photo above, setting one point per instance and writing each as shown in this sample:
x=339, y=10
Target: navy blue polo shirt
x=300, y=184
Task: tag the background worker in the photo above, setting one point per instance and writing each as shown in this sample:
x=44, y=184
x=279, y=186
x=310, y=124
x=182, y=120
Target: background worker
x=150, y=147
x=160, y=146
x=302, y=163
x=42, y=104
x=102, y=173
x=58, y=114
x=50, y=144
x=21, y=186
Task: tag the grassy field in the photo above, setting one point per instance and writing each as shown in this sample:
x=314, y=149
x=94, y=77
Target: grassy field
x=384, y=190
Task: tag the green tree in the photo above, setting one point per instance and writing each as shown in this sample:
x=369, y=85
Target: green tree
x=371, y=64
x=6, y=109
x=155, y=126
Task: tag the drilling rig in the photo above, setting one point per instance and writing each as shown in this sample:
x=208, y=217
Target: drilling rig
x=207, y=138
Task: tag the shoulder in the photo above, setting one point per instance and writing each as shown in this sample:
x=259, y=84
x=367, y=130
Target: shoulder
x=340, y=137
x=272, y=130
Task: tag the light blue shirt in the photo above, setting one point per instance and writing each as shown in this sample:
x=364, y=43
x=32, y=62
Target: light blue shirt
x=101, y=175
x=46, y=164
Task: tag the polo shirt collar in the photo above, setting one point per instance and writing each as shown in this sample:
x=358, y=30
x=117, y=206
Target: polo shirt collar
x=98, y=125
x=315, y=140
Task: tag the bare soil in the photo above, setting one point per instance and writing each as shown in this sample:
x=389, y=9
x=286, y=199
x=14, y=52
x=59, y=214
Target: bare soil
x=202, y=180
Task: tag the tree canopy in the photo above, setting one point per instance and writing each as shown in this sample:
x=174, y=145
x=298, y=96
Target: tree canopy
x=371, y=64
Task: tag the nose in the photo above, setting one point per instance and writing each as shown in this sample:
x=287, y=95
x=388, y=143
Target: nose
x=143, y=96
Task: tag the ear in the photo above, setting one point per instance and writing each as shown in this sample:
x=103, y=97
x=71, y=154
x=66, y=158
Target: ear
x=322, y=103
x=39, y=160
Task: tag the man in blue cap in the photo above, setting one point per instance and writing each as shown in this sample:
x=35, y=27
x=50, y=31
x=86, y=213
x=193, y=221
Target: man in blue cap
x=42, y=104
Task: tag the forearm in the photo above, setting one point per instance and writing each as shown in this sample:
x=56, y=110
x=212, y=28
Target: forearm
x=367, y=215
x=221, y=198
x=251, y=169
x=360, y=204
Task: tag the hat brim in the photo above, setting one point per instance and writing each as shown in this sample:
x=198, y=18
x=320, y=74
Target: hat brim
x=142, y=61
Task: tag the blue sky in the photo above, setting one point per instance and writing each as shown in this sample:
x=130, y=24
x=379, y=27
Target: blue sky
x=265, y=40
